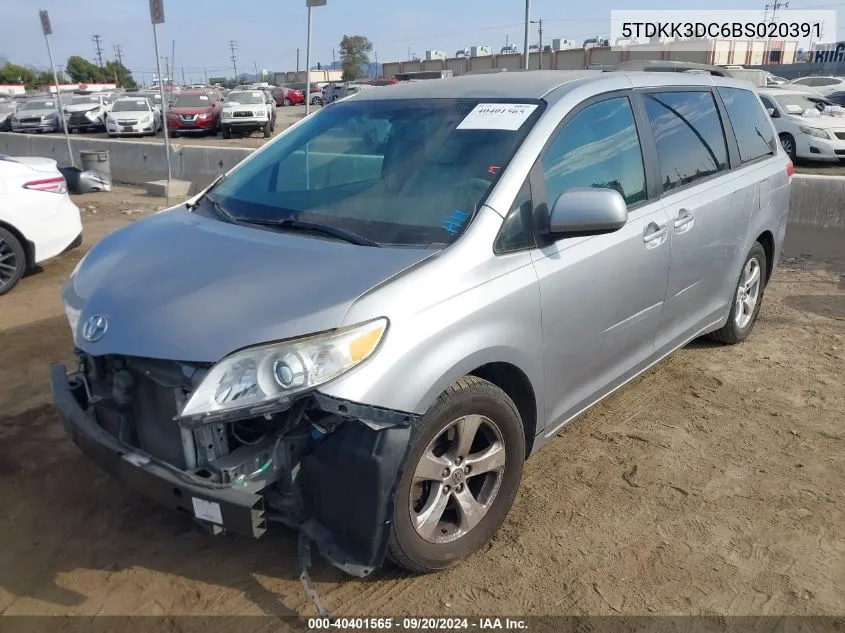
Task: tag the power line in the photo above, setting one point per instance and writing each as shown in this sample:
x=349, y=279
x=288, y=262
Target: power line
x=97, y=39
x=233, y=46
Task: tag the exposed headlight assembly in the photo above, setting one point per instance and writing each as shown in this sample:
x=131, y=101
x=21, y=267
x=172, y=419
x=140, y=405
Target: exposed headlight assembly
x=259, y=376
x=814, y=131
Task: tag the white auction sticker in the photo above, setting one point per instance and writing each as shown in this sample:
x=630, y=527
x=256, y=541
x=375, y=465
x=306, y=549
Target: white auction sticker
x=497, y=116
x=207, y=510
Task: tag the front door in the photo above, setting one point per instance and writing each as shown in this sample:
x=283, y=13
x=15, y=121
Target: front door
x=602, y=295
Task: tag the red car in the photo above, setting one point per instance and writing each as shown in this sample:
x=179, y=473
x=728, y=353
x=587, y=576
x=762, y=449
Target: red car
x=194, y=111
x=287, y=96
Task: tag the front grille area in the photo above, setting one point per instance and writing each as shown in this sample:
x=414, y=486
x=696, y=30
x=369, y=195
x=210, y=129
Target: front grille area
x=31, y=119
x=128, y=122
x=79, y=117
x=188, y=117
x=243, y=113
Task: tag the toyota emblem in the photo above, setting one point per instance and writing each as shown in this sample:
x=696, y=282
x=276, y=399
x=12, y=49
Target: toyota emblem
x=95, y=328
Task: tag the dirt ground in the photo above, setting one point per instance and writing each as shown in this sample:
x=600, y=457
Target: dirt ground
x=714, y=484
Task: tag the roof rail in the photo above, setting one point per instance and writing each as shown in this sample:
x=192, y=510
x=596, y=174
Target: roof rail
x=650, y=65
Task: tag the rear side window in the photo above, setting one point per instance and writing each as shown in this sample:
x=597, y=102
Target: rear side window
x=754, y=133
x=688, y=134
x=598, y=147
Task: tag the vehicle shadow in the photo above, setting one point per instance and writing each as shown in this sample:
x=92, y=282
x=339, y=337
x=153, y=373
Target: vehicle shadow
x=61, y=514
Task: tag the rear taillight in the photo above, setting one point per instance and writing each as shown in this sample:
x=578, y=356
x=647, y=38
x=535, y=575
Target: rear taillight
x=51, y=185
x=790, y=168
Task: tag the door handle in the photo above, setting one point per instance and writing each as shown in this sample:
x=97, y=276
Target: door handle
x=684, y=218
x=656, y=234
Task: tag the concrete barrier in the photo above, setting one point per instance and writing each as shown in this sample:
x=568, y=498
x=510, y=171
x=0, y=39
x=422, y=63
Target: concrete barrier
x=817, y=201
x=200, y=164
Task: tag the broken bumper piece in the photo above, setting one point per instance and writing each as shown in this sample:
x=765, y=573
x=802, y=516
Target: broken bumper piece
x=346, y=484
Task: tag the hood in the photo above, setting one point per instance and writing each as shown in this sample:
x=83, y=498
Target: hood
x=825, y=121
x=190, y=110
x=22, y=114
x=130, y=114
x=180, y=286
x=82, y=107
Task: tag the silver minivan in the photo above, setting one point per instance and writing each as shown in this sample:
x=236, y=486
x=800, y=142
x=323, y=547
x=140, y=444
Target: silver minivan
x=365, y=328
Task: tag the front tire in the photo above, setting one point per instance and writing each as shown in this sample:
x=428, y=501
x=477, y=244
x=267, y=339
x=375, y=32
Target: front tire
x=268, y=129
x=227, y=132
x=787, y=142
x=12, y=261
x=747, y=298
x=462, y=477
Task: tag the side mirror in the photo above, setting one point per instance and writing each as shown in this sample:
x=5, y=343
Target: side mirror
x=588, y=211
x=772, y=112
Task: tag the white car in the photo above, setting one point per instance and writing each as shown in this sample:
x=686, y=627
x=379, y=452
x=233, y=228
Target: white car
x=133, y=115
x=38, y=220
x=808, y=125
x=246, y=111
x=822, y=85
x=86, y=112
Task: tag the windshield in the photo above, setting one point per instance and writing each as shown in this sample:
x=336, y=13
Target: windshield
x=397, y=172
x=191, y=101
x=151, y=95
x=247, y=98
x=38, y=105
x=131, y=105
x=797, y=103
x=78, y=100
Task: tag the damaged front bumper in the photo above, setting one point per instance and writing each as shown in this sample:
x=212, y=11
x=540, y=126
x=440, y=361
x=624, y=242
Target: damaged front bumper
x=337, y=487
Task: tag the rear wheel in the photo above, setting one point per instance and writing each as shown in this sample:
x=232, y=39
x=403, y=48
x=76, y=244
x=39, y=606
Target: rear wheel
x=747, y=298
x=461, y=479
x=268, y=129
x=227, y=132
x=12, y=261
x=286, y=101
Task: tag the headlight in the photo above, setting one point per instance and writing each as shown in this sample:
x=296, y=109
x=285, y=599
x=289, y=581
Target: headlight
x=814, y=131
x=261, y=375
x=111, y=121
x=203, y=116
x=227, y=114
x=147, y=119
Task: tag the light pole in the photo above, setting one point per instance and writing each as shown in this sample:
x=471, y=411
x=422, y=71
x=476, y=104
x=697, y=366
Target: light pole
x=157, y=17
x=540, y=29
x=309, y=4
x=527, y=26
x=48, y=30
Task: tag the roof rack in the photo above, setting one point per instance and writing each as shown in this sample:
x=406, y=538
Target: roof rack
x=649, y=65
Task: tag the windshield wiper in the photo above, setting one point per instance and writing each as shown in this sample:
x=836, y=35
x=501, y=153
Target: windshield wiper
x=208, y=189
x=311, y=227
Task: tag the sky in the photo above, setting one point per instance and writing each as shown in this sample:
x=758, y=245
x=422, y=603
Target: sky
x=268, y=32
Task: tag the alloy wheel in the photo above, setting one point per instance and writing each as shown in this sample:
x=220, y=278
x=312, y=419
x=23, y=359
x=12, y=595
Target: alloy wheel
x=747, y=293
x=8, y=262
x=457, y=479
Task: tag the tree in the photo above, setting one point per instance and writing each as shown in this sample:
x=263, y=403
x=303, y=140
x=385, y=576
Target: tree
x=354, y=52
x=82, y=71
x=14, y=74
x=45, y=77
x=119, y=74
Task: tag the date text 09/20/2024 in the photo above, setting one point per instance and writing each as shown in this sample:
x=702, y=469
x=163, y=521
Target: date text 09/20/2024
x=417, y=624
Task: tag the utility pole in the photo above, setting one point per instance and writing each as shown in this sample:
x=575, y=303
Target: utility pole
x=409, y=53
x=525, y=53
x=97, y=39
x=377, y=66
x=233, y=47
x=166, y=71
x=173, y=60
x=333, y=60
x=118, y=52
x=297, y=63
x=205, y=72
x=255, y=66
x=540, y=29
x=184, y=83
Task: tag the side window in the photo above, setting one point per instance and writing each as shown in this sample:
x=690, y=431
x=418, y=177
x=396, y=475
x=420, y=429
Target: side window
x=753, y=131
x=805, y=82
x=688, y=134
x=598, y=147
x=517, y=230
x=825, y=82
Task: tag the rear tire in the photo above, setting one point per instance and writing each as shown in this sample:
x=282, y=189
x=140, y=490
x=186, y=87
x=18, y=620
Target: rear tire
x=12, y=261
x=227, y=133
x=747, y=298
x=441, y=517
x=286, y=101
x=267, y=129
